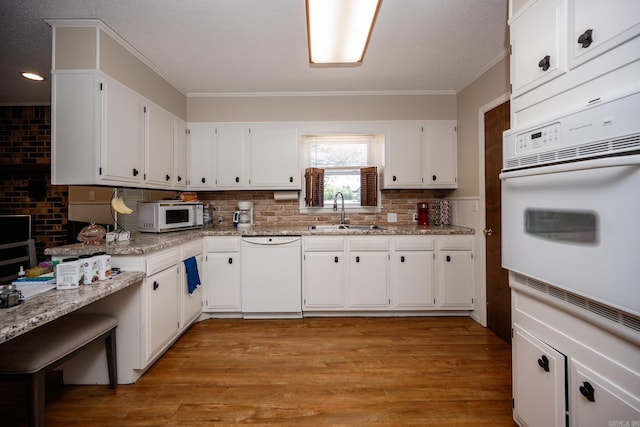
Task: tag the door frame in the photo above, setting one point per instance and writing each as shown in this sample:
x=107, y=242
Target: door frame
x=481, y=261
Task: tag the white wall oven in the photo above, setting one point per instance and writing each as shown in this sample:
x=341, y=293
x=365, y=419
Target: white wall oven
x=571, y=202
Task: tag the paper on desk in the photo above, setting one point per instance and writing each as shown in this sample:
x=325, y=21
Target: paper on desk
x=31, y=290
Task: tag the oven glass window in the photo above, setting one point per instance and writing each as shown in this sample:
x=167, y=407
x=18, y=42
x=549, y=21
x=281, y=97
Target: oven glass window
x=579, y=227
x=177, y=216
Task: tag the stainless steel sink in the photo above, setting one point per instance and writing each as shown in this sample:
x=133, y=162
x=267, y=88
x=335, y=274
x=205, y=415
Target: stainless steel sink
x=345, y=227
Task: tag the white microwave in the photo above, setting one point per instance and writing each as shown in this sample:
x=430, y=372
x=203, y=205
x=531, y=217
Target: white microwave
x=159, y=216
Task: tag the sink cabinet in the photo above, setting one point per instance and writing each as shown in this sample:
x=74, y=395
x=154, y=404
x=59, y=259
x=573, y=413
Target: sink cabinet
x=368, y=280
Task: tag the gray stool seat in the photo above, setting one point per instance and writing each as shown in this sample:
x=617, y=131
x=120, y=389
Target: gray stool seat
x=30, y=355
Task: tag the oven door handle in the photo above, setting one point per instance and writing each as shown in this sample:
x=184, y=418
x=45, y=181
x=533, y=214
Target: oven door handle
x=605, y=162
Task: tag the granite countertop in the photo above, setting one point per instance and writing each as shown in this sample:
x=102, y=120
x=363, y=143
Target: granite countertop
x=55, y=303
x=142, y=243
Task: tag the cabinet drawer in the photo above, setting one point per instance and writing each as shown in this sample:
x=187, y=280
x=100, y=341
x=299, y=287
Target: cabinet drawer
x=324, y=244
x=455, y=244
x=414, y=243
x=369, y=244
x=162, y=261
x=191, y=249
x=222, y=244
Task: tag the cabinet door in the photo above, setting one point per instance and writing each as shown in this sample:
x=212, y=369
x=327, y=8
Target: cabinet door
x=403, y=156
x=596, y=401
x=180, y=154
x=441, y=154
x=159, y=147
x=223, y=279
x=412, y=279
x=368, y=279
x=122, y=145
x=537, y=33
x=323, y=284
x=201, y=165
x=230, y=157
x=609, y=27
x=456, y=279
x=191, y=304
x=162, y=309
x=538, y=382
x=274, y=159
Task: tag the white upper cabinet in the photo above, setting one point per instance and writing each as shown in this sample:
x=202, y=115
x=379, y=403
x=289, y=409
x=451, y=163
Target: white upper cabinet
x=441, y=161
x=201, y=148
x=537, y=45
x=230, y=156
x=403, y=156
x=159, y=147
x=123, y=134
x=274, y=157
x=421, y=155
x=597, y=27
x=180, y=154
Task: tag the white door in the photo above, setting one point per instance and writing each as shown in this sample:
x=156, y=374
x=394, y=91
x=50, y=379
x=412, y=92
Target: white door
x=441, y=154
x=538, y=382
x=230, y=157
x=180, y=154
x=122, y=134
x=412, y=279
x=162, y=309
x=368, y=279
x=159, y=147
x=223, y=273
x=403, y=156
x=201, y=163
x=456, y=279
x=274, y=160
x=324, y=276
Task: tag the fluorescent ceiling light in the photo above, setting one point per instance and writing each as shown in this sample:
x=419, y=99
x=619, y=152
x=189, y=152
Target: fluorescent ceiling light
x=338, y=31
x=32, y=76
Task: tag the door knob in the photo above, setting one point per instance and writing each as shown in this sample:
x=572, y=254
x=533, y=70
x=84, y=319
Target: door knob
x=487, y=232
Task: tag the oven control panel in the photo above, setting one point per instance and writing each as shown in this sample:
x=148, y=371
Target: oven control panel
x=537, y=139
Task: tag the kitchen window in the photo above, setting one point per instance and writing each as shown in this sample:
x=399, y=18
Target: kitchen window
x=341, y=163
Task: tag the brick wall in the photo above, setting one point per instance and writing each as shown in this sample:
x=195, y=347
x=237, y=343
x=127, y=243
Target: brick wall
x=25, y=174
x=287, y=212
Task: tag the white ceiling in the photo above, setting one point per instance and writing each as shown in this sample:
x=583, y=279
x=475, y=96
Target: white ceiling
x=260, y=46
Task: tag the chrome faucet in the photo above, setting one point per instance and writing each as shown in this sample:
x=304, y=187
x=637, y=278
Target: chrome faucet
x=335, y=206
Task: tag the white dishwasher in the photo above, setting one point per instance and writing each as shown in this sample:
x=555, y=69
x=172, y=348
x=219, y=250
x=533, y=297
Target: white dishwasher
x=271, y=277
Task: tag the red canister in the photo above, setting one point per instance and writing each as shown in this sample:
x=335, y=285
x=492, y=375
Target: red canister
x=423, y=218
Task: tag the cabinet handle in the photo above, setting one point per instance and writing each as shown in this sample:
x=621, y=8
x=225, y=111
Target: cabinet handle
x=402, y=258
x=237, y=179
x=203, y=180
x=179, y=178
x=586, y=39
x=156, y=285
x=357, y=259
x=434, y=178
x=135, y=172
x=394, y=178
x=448, y=258
x=543, y=362
x=290, y=179
x=230, y=260
x=335, y=259
x=587, y=391
x=167, y=177
x=545, y=63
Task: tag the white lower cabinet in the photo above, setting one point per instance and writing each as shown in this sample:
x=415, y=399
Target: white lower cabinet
x=368, y=280
x=570, y=367
x=412, y=273
x=454, y=265
x=163, y=314
x=191, y=304
x=323, y=273
x=223, y=274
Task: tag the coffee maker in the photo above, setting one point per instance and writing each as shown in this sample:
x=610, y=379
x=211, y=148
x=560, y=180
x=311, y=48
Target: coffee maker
x=243, y=217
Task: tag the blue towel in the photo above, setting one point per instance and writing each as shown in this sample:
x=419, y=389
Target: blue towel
x=193, y=278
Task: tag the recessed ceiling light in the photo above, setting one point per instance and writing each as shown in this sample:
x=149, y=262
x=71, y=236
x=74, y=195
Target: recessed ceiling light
x=32, y=76
x=339, y=30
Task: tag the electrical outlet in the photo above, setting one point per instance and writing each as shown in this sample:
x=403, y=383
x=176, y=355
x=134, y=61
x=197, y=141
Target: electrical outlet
x=392, y=217
x=415, y=216
x=92, y=195
x=219, y=219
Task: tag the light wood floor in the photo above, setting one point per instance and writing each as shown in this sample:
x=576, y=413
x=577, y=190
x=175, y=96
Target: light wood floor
x=311, y=372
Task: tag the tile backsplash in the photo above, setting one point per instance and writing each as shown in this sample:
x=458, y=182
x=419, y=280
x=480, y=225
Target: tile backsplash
x=287, y=212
